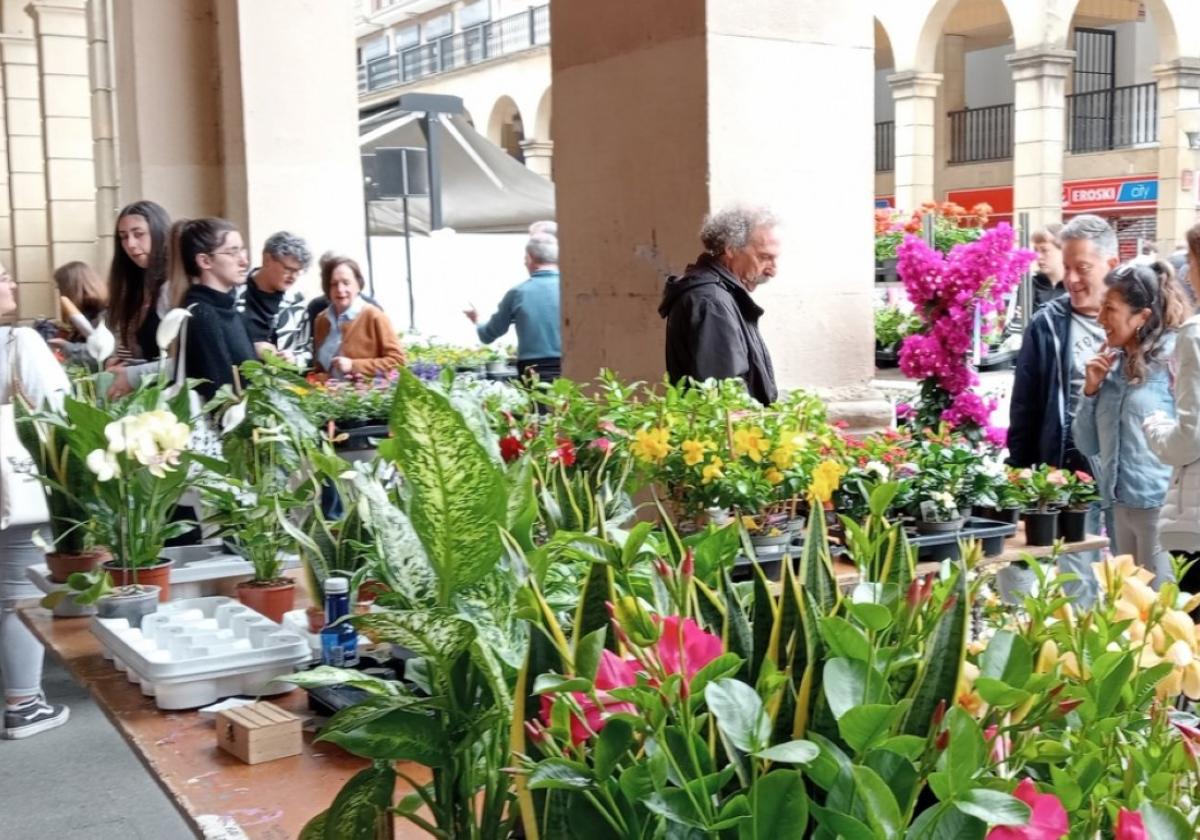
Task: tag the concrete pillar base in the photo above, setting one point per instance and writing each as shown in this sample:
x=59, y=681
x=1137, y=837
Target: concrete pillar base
x=863, y=409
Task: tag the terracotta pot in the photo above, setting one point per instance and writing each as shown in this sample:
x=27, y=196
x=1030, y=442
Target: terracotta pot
x=62, y=565
x=316, y=619
x=157, y=575
x=272, y=598
x=369, y=590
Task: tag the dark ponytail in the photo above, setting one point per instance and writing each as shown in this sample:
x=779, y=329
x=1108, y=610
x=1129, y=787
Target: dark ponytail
x=1152, y=287
x=189, y=239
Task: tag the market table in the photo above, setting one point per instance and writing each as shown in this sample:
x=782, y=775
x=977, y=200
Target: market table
x=212, y=789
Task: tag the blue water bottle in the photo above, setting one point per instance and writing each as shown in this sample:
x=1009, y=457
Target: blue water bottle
x=339, y=642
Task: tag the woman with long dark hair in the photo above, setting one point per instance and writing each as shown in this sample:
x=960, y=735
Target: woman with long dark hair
x=138, y=291
x=1126, y=382
x=209, y=255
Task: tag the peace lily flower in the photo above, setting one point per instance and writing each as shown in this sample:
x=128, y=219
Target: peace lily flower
x=168, y=328
x=101, y=343
x=233, y=415
x=103, y=464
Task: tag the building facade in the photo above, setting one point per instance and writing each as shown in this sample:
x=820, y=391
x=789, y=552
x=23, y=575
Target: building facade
x=494, y=54
x=1044, y=107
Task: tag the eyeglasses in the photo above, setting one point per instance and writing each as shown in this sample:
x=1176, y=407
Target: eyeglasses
x=231, y=252
x=292, y=270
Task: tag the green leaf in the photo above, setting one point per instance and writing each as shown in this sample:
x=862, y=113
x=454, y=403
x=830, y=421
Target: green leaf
x=778, y=807
x=407, y=569
x=587, y=653
x=397, y=736
x=725, y=665
x=1007, y=658
x=1164, y=822
x=676, y=806
x=1111, y=686
x=846, y=686
x=792, y=752
x=456, y=491
x=946, y=822
x=435, y=634
x=325, y=675
x=591, y=614
x=883, y=814
x=997, y=693
x=351, y=718
x=898, y=773
x=360, y=803
x=844, y=639
x=558, y=684
x=560, y=774
x=863, y=727
x=839, y=824
x=966, y=751
x=739, y=713
x=611, y=744
x=314, y=829
x=994, y=807
x=942, y=663
x=875, y=617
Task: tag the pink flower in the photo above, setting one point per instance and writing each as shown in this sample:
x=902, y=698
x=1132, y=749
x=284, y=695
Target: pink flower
x=1056, y=478
x=1082, y=476
x=1130, y=826
x=1047, y=822
x=1001, y=746
x=996, y=436
x=564, y=451
x=683, y=648
x=613, y=672
x=602, y=443
x=607, y=426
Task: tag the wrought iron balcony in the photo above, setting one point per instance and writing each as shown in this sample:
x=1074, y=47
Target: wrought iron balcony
x=1116, y=118
x=979, y=134
x=885, y=146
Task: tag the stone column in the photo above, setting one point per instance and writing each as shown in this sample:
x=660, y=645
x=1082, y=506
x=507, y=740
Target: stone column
x=697, y=130
x=1178, y=90
x=1039, y=127
x=917, y=116
x=951, y=96
x=27, y=176
x=539, y=156
x=104, y=126
x=60, y=30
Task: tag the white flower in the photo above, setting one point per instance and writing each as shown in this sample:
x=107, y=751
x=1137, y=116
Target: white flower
x=101, y=343
x=233, y=417
x=103, y=464
x=878, y=469
x=946, y=500
x=169, y=328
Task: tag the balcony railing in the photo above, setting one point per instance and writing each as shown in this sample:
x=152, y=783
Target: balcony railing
x=885, y=146
x=483, y=42
x=979, y=134
x=1117, y=118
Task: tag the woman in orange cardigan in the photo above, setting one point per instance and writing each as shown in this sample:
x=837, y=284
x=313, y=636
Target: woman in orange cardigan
x=352, y=336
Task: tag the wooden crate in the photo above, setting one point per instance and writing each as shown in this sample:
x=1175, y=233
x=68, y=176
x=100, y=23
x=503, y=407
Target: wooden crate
x=259, y=732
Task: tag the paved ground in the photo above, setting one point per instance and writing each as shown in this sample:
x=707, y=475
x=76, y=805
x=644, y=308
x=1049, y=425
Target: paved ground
x=80, y=781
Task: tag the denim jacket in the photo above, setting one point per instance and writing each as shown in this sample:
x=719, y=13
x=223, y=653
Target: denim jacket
x=1109, y=425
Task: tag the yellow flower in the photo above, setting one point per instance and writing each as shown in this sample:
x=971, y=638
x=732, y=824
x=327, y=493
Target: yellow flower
x=784, y=456
x=712, y=471
x=1178, y=625
x=825, y=481
x=1113, y=570
x=774, y=476
x=966, y=696
x=749, y=522
x=693, y=451
x=750, y=442
x=651, y=445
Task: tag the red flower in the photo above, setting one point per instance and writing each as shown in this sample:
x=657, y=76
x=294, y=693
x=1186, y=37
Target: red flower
x=1130, y=826
x=510, y=448
x=683, y=648
x=614, y=672
x=565, y=452
x=1047, y=822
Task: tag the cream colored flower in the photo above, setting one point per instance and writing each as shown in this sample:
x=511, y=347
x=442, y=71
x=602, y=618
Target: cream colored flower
x=103, y=464
x=101, y=343
x=169, y=328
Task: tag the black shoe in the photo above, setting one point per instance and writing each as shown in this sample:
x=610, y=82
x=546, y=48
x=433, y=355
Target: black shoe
x=32, y=717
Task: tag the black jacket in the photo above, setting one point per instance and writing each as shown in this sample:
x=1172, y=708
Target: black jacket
x=1045, y=290
x=216, y=339
x=1039, y=429
x=712, y=330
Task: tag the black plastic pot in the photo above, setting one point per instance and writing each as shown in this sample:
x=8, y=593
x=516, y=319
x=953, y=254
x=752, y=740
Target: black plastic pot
x=1073, y=524
x=1041, y=527
x=1008, y=515
x=887, y=357
x=885, y=271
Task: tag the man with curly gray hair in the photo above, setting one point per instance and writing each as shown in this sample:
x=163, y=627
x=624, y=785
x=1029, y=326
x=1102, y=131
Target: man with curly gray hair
x=712, y=320
x=273, y=311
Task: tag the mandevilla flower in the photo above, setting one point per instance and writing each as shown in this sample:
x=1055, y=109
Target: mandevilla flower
x=1047, y=822
x=1130, y=826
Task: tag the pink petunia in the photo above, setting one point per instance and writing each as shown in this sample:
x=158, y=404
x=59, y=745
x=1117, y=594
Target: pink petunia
x=1047, y=822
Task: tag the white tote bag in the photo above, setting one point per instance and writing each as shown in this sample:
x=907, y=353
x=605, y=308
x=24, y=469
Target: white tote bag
x=22, y=499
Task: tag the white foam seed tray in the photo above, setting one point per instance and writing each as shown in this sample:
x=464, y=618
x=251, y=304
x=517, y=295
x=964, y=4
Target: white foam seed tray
x=194, y=652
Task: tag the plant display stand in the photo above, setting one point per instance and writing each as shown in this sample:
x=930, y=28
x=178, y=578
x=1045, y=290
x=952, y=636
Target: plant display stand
x=196, y=651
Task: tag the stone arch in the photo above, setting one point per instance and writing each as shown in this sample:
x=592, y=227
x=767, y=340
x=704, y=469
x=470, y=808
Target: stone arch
x=506, y=128
x=1166, y=24
x=541, y=121
x=924, y=53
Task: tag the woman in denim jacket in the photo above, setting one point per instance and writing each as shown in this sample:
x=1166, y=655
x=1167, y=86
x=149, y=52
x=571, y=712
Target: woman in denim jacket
x=1126, y=382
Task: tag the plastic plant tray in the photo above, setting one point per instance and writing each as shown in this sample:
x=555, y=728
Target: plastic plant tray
x=938, y=547
x=196, y=651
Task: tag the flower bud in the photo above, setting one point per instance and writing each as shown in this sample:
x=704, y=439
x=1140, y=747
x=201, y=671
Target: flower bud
x=943, y=740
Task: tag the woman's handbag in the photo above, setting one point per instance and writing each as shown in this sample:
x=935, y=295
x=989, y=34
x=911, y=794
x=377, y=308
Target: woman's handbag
x=22, y=498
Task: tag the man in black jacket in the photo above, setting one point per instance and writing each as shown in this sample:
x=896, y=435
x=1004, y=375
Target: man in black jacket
x=712, y=322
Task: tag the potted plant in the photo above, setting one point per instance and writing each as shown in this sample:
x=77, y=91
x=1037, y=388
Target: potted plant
x=1080, y=492
x=939, y=513
x=892, y=326
x=1044, y=490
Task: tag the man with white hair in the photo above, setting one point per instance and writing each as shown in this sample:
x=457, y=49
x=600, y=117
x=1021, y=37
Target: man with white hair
x=712, y=320
x=533, y=307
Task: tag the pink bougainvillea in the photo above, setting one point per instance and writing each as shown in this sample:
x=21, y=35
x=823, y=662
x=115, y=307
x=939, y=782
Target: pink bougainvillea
x=947, y=291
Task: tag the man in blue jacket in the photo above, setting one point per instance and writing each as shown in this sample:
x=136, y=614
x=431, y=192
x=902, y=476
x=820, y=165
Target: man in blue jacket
x=1060, y=340
x=533, y=307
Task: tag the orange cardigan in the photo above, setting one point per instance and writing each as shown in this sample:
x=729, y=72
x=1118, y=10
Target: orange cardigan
x=369, y=341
